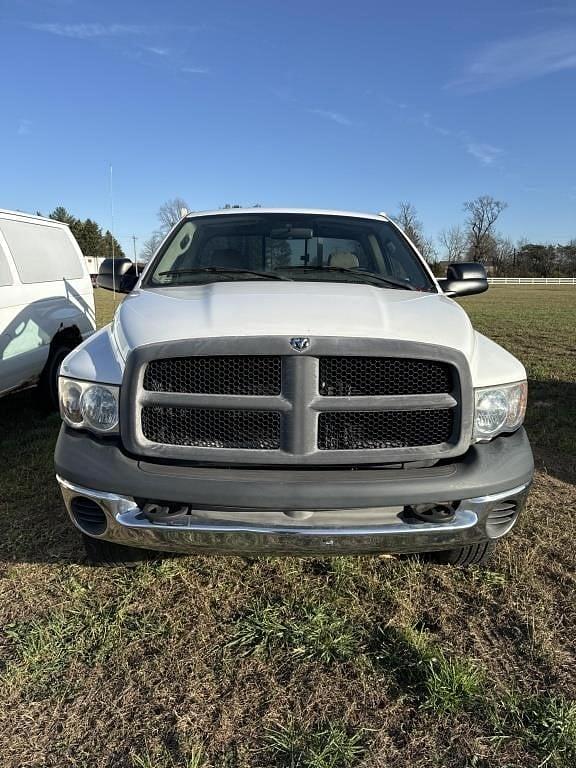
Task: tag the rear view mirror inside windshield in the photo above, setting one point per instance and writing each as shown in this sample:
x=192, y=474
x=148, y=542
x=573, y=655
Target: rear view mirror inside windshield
x=291, y=233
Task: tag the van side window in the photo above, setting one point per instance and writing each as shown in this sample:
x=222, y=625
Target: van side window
x=41, y=253
x=5, y=275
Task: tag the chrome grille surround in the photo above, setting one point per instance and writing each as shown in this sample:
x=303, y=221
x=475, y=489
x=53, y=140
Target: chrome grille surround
x=299, y=402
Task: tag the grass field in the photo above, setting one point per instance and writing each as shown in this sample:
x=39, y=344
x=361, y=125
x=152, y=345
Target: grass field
x=318, y=663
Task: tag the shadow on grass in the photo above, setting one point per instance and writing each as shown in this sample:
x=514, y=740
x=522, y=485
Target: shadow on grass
x=422, y=670
x=34, y=525
x=551, y=426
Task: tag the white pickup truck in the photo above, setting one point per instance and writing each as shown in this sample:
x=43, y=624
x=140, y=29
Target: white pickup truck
x=292, y=381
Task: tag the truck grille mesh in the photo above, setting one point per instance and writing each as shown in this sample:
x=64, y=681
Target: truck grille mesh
x=212, y=427
x=357, y=376
x=231, y=375
x=269, y=405
x=361, y=430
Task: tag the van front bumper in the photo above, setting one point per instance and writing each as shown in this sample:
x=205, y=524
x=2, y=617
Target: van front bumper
x=325, y=511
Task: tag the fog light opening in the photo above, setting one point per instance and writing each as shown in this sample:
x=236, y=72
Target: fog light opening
x=89, y=516
x=502, y=518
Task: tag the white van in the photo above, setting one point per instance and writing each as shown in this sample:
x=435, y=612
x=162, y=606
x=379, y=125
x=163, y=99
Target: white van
x=46, y=301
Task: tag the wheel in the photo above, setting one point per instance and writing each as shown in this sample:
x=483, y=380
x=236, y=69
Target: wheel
x=102, y=552
x=473, y=554
x=48, y=384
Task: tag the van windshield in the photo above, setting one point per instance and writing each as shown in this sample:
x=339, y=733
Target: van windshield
x=288, y=247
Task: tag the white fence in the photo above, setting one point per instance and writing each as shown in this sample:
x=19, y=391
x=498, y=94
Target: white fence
x=532, y=280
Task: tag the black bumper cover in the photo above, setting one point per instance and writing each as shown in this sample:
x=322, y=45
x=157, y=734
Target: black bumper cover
x=487, y=468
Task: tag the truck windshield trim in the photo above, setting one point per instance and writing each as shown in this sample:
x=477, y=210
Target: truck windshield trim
x=297, y=247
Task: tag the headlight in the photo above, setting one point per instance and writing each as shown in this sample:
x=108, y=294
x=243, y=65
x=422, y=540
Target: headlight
x=499, y=409
x=84, y=404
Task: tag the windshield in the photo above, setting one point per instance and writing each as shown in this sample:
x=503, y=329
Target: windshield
x=288, y=247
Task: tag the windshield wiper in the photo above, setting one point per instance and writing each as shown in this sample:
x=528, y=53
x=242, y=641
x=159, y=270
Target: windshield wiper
x=224, y=270
x=357, y=273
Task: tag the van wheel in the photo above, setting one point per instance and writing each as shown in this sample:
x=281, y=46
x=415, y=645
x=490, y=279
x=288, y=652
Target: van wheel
x=473, y=554
x=102, y=552
x=48, y=384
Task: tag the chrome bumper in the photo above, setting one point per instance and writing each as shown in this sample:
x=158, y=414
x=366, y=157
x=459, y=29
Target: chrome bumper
x=324, y=532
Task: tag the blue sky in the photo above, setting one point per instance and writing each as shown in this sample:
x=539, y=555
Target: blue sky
x=325, y=104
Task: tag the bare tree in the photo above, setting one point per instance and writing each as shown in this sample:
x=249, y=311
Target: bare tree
x=503, y=255
x=483, y=213
x=427, y=248
x=454, y=242
x=150, y=246
x=170, y=213
x=407, y=219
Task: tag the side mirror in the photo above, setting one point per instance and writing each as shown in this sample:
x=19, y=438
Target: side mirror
x=464, y=278
x=117, y=275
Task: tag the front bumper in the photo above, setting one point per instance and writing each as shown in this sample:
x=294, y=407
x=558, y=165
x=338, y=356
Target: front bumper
x=327, y=511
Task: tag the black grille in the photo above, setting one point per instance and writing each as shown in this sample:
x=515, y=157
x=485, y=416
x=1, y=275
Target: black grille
x=233, y=375
x=361, y=430
x=212, y=428
x=356, y=376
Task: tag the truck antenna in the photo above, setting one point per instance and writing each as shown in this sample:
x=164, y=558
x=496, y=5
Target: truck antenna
x=112, y=236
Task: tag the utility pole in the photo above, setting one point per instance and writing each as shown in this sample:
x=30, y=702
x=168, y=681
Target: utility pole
x=134, y=238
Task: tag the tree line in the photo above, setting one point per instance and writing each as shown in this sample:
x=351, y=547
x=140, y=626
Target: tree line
x=92, y=240
x=478, y=240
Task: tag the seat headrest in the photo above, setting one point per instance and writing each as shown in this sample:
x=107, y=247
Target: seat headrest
x=345, y=259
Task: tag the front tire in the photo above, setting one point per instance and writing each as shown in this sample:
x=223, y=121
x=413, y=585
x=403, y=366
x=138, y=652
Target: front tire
x=102, y=552
x=473, y=554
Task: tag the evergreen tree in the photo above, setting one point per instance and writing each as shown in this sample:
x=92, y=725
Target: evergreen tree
x=108, y=240
x=90, y=238
x=89, y=235
x=61, y=214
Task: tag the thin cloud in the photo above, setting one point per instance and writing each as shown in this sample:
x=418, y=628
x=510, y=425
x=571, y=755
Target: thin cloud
x=520, y=59
x=95, y=30
x=486, y=153
x=195, y=70
x=88, y=31
x=551, y=10
x=335, y=117
x=157, y=51
x=24, y=127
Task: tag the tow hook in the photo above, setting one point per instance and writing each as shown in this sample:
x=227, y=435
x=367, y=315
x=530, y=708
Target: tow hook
x=441, y=512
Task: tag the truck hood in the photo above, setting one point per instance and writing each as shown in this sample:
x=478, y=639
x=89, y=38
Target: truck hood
x=258, y=308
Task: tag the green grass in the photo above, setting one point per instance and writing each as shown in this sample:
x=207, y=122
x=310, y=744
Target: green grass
x=84, y=632
x=303, y=631
x=331, y=746
x=164, y=759
x=537, y=324
x=316, y=663
x=441, y=683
